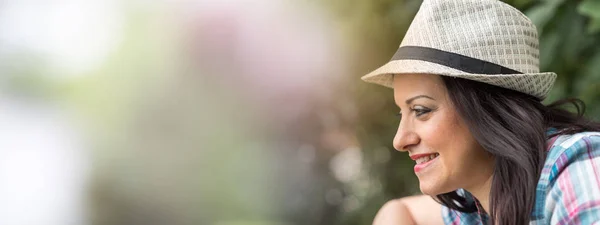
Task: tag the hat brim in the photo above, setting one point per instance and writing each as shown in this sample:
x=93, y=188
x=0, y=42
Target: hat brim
x=536, y=84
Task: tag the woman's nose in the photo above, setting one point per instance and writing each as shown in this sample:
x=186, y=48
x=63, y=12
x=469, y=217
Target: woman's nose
x=404, y=139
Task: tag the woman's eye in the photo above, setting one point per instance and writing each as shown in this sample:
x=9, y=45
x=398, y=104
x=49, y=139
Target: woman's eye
x=419, y=111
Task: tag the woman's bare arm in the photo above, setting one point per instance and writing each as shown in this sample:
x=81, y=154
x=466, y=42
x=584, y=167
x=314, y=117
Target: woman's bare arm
x=422, y=210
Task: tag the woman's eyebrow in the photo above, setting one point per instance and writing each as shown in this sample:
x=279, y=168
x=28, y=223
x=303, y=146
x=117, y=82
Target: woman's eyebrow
x=408, y=101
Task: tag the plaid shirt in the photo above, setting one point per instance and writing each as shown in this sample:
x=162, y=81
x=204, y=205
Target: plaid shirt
x=568, y=191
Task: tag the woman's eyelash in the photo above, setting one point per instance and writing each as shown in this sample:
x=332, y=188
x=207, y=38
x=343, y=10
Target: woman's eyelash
x=421, y=111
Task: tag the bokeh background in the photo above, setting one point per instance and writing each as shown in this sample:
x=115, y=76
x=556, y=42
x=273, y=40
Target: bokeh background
x=222, y=112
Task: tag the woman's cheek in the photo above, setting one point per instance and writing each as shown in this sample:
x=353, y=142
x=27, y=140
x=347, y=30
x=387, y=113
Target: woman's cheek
x=437, y=131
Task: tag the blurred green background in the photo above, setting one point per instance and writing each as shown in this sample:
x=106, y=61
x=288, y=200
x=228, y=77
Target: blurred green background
x=237, y=112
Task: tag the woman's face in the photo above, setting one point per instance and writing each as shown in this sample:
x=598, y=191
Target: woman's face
x=446, y=155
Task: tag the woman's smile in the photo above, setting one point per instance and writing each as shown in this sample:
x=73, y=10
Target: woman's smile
x=424, y=160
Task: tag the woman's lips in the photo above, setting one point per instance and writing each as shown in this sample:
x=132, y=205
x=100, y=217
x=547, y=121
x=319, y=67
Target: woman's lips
x=420, y=166
x=415, y=157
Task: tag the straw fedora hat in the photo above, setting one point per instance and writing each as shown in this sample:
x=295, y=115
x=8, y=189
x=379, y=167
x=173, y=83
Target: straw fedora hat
x=482, y=40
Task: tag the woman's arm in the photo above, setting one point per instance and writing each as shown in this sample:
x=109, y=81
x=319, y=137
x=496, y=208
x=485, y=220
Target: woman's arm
x=422, y=210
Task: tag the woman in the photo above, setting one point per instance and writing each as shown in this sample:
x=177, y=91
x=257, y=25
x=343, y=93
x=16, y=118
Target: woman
x=487, y=151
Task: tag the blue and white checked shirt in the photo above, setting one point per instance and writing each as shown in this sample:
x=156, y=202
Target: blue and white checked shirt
x=568, y=191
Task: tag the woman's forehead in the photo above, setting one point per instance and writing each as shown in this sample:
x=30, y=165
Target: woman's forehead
x=407, y=85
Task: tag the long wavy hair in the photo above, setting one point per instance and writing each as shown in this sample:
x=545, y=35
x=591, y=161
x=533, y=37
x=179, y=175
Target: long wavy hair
x=511, y=126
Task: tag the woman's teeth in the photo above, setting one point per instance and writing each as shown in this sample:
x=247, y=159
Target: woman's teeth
x=425, y=159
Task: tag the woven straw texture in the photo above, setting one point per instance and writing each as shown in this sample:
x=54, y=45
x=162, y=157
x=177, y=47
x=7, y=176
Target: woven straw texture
x=488, y=30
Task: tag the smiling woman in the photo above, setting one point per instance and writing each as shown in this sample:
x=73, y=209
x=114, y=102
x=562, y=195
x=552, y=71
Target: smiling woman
x=431, y=126
x=487, y=151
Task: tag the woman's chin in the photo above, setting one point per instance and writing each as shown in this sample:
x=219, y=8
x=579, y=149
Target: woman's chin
x=429, y=189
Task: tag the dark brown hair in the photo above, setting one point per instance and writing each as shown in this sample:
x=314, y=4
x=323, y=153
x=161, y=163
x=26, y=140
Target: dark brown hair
x=511, y=126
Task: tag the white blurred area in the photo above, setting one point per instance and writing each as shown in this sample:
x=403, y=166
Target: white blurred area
x=44, y=162
x=71, y=37
x=43, y=166
x=172, y=85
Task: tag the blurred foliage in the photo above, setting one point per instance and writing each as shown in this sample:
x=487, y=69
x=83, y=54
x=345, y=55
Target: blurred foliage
x=569, y=45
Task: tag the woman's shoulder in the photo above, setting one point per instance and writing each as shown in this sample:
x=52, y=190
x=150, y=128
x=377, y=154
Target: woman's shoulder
x=572, y=146
x=570, y=178
x=409, y=210
x=393, y=211
x=572, y=152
